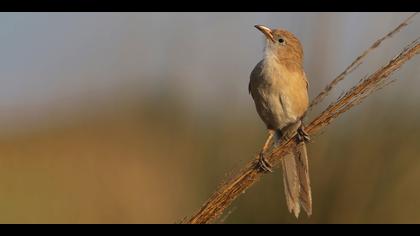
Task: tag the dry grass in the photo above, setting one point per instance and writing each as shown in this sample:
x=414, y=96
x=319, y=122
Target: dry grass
x=357, y=62
x=251, y=173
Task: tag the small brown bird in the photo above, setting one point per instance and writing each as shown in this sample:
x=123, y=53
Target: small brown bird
x=279, y=88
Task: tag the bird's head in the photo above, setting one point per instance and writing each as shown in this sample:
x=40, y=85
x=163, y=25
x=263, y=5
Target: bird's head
x=281, y=43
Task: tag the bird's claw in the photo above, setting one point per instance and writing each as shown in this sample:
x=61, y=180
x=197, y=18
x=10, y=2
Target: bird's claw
x=264, y=164
x=302, y=135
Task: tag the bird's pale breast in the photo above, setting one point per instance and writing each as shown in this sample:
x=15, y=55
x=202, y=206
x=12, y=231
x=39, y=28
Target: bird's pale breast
x=279, y=92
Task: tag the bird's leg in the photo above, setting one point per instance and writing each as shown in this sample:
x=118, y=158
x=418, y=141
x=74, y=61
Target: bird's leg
x=302, y=135
x=289, y=132
x=286, y=133
x=262, y=161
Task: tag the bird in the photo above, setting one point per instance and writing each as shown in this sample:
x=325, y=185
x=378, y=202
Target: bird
x=279, y=88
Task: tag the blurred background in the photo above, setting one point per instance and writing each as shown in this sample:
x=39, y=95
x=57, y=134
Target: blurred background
x=137, y=118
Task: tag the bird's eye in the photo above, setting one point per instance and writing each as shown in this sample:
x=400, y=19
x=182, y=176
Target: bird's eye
x=281, y=40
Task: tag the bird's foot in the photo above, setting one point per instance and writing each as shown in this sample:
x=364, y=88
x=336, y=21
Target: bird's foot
x=302, y=135
x=264, y=164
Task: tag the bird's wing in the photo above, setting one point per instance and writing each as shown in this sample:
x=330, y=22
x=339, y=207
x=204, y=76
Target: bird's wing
x=255, y=78
x=306, y=80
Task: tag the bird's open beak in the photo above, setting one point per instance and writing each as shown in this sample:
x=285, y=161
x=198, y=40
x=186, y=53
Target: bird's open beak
x=266, y=31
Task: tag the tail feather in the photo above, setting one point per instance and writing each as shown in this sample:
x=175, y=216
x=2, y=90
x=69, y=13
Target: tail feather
x=291, y=184
x=296, y=180
x=305, y=197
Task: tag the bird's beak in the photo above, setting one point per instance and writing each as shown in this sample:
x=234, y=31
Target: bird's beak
x=266, y=31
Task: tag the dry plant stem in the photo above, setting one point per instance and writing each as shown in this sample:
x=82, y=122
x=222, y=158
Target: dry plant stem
x=251, y=173
x=358, y=61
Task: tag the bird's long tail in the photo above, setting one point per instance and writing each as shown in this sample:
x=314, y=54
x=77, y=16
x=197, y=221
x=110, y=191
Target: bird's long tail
x=297, y=185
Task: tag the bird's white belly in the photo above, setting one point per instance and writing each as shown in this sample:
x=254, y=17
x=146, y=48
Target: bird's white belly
x=276, y=109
